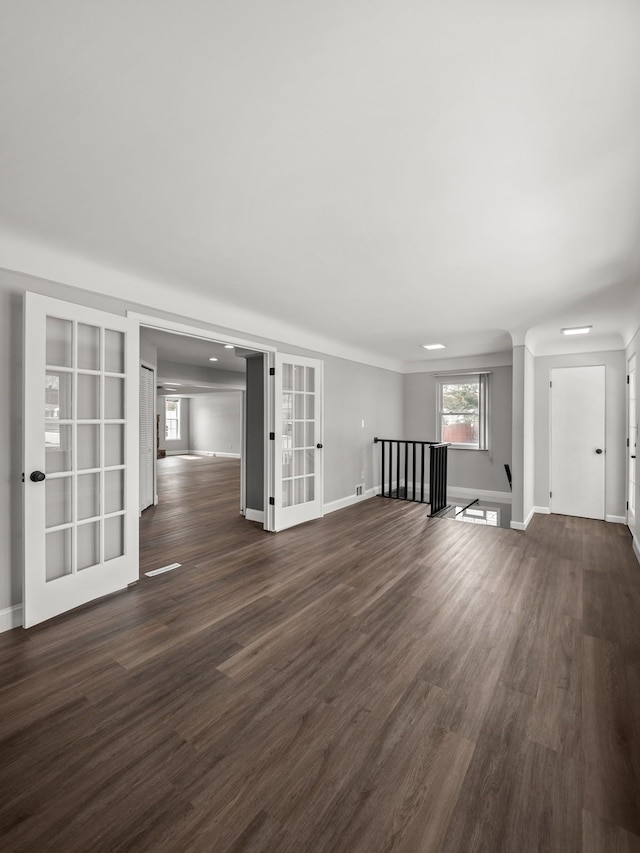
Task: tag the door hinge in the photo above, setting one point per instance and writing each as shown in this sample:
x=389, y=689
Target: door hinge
x=627, y=504
x=627, y=378
x=272, y=371
x=272, y=436
x=627, y=442
x=550, y=494
x=272, y=501
x=551, y=385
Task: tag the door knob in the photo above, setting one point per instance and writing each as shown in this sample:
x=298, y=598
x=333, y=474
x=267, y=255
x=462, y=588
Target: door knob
x=319, y=446
x=599, y=450
x=37, y=476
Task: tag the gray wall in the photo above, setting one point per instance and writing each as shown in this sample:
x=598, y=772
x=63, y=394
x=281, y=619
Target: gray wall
x=215, y=422
x=148, y=352
x=469, y=469
x=254, y=451
x=615, y=428
x=354, y=393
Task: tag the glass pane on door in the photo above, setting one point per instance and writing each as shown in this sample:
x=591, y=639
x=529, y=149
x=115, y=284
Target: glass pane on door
x=84, y=407
x=297, y=434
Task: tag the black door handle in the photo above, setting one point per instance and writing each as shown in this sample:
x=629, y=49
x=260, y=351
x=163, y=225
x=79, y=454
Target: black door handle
x=598, y=450
x=319, y=446
x=37, y=476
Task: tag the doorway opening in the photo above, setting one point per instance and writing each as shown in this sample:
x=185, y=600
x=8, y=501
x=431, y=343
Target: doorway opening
x=208, y=470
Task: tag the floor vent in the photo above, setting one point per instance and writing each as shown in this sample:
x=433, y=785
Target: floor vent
x=360, y=489
x=164, y=569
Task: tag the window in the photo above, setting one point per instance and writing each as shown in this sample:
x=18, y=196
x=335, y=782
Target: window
x=172, y=420
x=462, y=410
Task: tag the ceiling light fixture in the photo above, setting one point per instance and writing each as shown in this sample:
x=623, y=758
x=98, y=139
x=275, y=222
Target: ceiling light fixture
x=433, y=346
x=213, y=359
x=577, y=330
x=229, y=346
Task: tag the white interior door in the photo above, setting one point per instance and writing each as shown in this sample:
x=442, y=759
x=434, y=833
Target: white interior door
x=298, y=437
x=81, y=412
x=578, y=441
x=147, y=437
x=632, y=433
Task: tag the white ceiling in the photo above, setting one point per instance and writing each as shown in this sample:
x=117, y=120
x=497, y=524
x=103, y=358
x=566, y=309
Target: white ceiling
x=380, y=173
x=193, y=351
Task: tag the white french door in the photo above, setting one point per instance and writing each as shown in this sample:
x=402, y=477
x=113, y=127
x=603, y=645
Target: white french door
x=577, y=476
x=298, y=439
x=632, y=433
x=147, y=436
x=81, y=412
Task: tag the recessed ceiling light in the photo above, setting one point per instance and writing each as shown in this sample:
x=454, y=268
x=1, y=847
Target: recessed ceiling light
x=213, y=359
x=229, y=346
x=577, y=330
x=433, y=346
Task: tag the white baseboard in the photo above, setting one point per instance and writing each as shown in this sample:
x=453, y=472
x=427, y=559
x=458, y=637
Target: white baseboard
x=542, y=510
x=176, y=452
x=616, y=519
x=212, y=453
x=522, y=525
x=463, y=492
x=341, y=503
x=10, y=617
x=636, y=548
x=254, y=515
x=452, y=492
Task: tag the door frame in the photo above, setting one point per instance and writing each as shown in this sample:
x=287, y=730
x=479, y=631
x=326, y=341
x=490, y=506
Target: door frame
x=269, y=353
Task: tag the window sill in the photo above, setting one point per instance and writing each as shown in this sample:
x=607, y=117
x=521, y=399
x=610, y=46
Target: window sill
x=464, y=447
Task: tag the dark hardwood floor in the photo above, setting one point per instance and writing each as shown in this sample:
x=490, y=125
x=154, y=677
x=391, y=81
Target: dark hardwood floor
x=372, y=681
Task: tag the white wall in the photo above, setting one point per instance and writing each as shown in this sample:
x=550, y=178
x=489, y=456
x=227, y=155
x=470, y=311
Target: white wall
x=468, y=469
x=215, y=422
x=615, y=427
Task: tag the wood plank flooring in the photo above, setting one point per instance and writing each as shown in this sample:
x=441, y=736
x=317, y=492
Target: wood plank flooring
x=372, y=681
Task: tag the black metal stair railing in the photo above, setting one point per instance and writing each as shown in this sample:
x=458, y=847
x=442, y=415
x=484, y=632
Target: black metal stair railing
x=403, y=468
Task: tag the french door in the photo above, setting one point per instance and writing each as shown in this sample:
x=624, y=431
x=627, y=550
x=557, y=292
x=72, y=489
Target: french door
x=81, y=412
x=298, y=439
x=147, y=437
